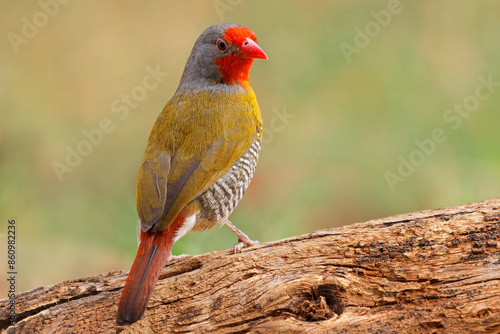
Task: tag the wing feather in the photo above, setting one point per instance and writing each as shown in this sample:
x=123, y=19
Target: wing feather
x=188, y=151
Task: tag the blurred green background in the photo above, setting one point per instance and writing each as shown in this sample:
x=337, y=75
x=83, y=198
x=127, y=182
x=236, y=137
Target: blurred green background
x=336, y=123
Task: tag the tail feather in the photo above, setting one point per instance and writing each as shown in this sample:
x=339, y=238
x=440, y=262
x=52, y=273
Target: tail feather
x=153, y=252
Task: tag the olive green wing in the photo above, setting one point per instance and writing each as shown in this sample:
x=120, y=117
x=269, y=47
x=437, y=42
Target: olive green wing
x=198, y=153
x=152, y=188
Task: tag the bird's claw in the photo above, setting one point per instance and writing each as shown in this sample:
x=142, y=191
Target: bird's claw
x=242, y=243
x=177, y=257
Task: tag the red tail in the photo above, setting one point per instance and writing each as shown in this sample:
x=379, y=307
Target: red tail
x=153, y=251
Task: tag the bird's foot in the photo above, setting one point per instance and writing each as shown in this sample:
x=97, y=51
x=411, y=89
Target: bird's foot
x=177, y=257
x=241, y=243
x=243, y=239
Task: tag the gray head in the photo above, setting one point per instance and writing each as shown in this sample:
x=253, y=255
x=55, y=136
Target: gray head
x=222, y=54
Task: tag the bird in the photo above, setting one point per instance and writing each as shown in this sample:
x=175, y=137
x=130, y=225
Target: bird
x=200, y=157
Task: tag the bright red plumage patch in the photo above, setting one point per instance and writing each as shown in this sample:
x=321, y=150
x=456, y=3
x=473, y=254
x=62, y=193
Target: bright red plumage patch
x=238, y=35
x=233, y=68
x=153, y=252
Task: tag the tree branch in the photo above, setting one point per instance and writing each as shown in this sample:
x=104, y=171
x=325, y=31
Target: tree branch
x=429, y=271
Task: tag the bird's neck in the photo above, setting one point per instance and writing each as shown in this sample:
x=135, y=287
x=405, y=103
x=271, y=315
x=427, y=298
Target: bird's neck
x=238, y=88
x=234, y=70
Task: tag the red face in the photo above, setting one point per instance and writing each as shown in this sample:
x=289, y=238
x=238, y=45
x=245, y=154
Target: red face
x=235, y=65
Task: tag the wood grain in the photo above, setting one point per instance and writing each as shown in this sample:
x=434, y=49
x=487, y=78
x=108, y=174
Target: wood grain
x=435, y=271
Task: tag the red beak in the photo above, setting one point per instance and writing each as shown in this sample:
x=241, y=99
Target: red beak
x=252, y=50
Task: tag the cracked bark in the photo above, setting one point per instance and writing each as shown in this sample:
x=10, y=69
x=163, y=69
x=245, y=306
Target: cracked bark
x=429, y=271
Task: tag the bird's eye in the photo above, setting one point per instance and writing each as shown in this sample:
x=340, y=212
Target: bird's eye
x=221, y=45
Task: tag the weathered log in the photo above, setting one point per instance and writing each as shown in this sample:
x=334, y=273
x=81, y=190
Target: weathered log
x=423, y=272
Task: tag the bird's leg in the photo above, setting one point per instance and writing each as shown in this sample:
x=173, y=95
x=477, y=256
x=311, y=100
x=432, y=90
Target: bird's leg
x=243, y=239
